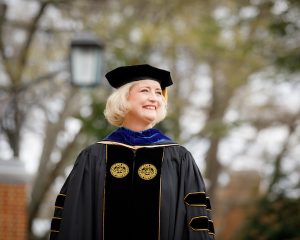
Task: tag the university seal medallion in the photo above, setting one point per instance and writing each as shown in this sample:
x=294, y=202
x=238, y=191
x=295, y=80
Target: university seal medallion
x=119, y=170
x=147, y=171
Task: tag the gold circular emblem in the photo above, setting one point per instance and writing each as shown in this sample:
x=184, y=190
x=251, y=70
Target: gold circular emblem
x=119, y=170
x=147, y=171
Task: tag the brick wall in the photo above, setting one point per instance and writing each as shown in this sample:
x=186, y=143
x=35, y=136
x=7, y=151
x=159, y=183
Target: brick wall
x=13, y=196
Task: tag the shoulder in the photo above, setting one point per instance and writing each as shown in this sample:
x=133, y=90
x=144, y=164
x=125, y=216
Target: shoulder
x=177, y=149
x=94, y=148
x=178, y=152
x=93, y=152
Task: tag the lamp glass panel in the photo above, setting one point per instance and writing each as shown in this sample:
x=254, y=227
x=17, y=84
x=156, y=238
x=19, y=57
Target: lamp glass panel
x=86, y=66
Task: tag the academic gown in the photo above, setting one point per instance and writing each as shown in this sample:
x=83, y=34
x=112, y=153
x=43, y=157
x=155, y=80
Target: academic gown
x=133, y=186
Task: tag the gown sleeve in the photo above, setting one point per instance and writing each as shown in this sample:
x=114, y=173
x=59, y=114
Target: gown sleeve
x=197, y=203
x=81, y=188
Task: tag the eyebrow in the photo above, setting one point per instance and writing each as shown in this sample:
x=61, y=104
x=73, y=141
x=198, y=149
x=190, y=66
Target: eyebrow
x=158, y=88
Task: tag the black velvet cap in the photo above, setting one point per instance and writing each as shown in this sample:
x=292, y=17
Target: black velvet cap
x=122, y=75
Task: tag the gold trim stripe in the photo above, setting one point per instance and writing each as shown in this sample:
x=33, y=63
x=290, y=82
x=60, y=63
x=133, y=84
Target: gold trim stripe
x=211, y=232
x=103, y=207
x=160, y=187
x=136, y=147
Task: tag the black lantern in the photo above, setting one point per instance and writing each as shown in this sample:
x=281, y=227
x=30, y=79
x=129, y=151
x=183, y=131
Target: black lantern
x=86, y=60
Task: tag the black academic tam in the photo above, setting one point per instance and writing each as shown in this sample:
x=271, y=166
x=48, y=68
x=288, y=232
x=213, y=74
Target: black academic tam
x=116, y=191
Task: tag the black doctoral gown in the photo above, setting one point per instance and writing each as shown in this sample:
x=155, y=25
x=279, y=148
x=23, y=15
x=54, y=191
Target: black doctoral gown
x=117, y=191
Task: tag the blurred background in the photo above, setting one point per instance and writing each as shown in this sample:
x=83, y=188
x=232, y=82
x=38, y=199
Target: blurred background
x=235, y=103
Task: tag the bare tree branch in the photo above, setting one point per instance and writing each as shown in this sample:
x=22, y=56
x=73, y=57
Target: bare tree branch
x=3, y=8
x=5, y=61
x=23, y=58
x=48, y=177
x=49, y=144
x=277, y=173
x=22, y=25
x=219, y=104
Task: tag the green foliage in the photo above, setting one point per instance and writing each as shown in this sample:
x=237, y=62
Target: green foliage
x=285, y=28
x=280, y=27
x=290, y=61
x=275, y=219
x=95, y=125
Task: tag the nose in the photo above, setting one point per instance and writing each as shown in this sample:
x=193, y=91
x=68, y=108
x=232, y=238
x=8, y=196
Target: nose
x=153, y=97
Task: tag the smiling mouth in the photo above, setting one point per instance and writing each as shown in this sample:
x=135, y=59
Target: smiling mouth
x=150, y=107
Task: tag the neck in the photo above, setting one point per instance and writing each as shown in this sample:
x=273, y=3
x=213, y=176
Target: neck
x=136, y=127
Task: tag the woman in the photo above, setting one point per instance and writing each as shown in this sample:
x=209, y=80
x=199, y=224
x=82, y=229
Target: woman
x=136, y=183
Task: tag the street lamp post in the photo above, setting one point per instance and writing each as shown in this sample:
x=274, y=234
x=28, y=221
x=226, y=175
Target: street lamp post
x=86, y=60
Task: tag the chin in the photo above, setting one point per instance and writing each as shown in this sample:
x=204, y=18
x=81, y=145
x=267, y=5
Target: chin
x=150, y=121
x=150, y=118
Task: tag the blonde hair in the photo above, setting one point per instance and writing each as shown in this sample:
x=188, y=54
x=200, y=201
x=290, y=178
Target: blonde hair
x=117, y=106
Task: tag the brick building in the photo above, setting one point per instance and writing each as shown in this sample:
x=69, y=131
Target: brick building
x=13, y=205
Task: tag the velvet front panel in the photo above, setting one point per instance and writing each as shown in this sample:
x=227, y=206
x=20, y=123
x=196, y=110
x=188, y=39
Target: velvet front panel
x=132, y=193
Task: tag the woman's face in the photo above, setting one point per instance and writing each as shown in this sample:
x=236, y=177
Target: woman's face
x=145, y=99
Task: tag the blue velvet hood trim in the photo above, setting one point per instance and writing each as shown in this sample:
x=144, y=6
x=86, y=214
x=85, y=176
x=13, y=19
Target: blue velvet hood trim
x=129, y=137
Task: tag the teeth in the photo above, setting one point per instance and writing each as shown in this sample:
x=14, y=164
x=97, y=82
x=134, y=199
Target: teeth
x=150, y=107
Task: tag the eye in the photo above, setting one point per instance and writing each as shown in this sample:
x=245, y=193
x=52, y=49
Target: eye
x=159, y=92
x=144, y=90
